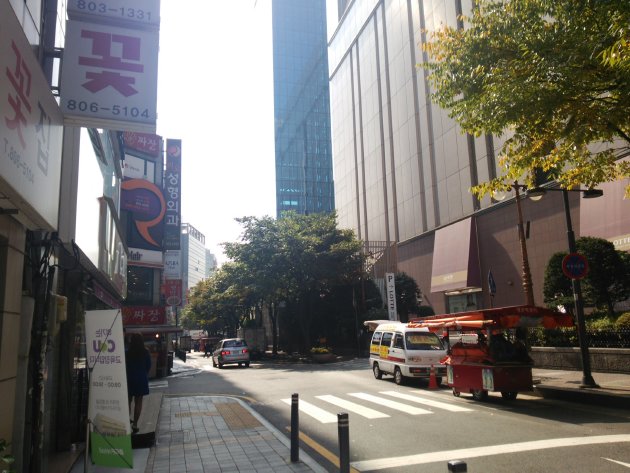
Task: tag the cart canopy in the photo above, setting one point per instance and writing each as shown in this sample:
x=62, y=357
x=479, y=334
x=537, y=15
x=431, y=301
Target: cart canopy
x=499, y=318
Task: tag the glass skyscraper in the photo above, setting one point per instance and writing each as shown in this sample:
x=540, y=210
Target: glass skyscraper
x=304, y=176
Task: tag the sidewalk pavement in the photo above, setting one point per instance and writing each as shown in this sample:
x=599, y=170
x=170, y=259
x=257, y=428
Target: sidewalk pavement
x=613, y=388
x=222, y=434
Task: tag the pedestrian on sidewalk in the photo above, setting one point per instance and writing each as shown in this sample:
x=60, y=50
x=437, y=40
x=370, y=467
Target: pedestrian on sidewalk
x=138, y=361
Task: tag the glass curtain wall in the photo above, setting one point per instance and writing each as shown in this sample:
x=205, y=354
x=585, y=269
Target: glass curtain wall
x=304, y=179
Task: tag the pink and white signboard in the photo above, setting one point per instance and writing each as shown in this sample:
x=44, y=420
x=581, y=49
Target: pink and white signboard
x=109, y=77
x=31, y=129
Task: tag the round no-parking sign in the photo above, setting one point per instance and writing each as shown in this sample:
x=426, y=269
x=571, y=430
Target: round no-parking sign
x=574, y=266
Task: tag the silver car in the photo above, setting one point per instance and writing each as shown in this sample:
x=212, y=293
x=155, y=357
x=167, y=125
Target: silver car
x=230, y=351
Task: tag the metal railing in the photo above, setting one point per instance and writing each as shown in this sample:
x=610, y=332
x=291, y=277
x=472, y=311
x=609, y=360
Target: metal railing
x=568, y=337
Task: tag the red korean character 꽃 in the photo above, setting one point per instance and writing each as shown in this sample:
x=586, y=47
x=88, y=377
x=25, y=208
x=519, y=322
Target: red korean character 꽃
x=20, y=79
x=103, y=58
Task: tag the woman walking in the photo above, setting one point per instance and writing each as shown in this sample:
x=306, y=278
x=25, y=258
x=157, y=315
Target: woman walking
x=138, y=361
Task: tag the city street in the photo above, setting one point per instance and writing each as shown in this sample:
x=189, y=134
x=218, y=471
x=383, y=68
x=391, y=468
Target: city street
x=410, y=428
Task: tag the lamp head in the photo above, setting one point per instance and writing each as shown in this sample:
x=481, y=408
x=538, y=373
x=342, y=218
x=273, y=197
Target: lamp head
x=592, y=193
x=536, y=193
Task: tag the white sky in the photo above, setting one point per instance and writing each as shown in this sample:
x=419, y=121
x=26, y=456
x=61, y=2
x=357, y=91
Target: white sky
x=215, y=93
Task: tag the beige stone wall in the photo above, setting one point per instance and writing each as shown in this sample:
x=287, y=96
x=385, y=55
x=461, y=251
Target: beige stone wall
x=12, y=239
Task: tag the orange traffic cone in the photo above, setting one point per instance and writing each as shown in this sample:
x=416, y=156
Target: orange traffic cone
x=432, y=381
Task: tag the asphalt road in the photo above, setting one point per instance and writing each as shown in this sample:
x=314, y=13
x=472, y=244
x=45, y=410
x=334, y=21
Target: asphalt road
x=410, y=428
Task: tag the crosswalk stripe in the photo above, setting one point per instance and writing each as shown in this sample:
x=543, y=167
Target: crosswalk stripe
x=353, y=407
x=399, y=406
x=321, y=415
x=427, y=402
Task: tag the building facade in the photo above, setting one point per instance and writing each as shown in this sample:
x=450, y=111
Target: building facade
x=193, y=258
x=62, y=244
x=304, y=181
x=403, y=168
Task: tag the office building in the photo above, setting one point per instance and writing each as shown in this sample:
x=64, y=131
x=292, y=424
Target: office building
x=403, y=169
x=304, y=181
x=193, y=258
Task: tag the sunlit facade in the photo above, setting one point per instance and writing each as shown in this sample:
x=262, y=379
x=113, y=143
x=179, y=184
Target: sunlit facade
x=403, y=169
x=304, y=181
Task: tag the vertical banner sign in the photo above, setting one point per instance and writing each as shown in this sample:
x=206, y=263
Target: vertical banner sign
x=391, y=296
x=172, y=194
x=108, y=407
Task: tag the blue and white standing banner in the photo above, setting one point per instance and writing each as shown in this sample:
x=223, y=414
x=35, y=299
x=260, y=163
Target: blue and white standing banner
x=390, y=283
x=108, y=405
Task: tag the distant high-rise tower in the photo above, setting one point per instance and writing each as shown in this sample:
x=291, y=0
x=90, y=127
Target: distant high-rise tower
x=304, y=177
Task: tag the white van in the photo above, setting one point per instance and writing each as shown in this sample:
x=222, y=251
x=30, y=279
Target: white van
x=406, y=350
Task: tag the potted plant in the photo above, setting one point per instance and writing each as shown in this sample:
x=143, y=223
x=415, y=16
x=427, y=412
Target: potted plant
x=322, y=354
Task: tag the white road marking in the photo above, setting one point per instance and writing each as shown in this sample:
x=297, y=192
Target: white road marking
x=427, y=402
x=353, y=407
x=399, y=406
x=617, y=462
x=446, y=455
x=321, y=415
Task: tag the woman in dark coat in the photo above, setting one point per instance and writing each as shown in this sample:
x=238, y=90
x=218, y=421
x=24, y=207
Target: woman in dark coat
x=138, y=361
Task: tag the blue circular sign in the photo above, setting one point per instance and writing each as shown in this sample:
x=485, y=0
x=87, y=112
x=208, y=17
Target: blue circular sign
x=574, y=266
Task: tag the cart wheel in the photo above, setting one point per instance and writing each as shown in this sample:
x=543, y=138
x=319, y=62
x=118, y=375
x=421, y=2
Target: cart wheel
x=378, y=374
x=398, y=376
x=509, y=395
x=456, y=393
x=479, y=394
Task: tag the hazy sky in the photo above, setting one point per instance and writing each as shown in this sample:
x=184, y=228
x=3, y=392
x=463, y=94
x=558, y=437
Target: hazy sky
x=215, y=93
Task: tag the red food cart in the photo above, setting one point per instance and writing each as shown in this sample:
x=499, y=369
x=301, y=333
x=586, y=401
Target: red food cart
x=484, y=355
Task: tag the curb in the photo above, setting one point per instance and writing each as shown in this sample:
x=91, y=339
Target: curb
x=584, y=395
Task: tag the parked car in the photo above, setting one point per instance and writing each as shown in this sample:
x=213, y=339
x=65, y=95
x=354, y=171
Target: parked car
x=231, y=351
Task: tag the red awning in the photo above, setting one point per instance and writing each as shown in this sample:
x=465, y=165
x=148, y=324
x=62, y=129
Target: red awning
x=455, y=257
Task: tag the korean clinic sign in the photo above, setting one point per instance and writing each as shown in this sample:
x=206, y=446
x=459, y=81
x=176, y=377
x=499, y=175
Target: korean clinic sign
x=31, y=129
x=172, y=194
x=109, y=77
x=138, y=13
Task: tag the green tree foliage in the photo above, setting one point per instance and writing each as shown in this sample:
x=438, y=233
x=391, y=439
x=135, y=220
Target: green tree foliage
x=407, y=296
x=607, y=281
x=300, y=263
x=553, y=75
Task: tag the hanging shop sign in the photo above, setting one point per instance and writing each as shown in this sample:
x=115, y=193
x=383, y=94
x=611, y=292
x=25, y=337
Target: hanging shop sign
x=109, y=77
x=171, y=292
x=172, y=194
x=172, y=264
x=108, y=408
x=143, y=315
x=32, y=129
x=139, y=13
x=145, y=202
x=142, y=144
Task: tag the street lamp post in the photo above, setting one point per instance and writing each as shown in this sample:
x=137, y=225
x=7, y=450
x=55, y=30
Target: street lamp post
x=526, y=275
x=578, y=303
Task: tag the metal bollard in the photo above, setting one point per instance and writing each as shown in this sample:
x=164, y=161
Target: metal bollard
x=295, y=429
x=343, y=428
x=457, y=466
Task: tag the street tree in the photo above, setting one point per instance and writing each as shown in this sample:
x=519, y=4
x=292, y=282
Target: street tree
x=408, y=296
x=607, y=280
x=550, y=75
x=297, y=262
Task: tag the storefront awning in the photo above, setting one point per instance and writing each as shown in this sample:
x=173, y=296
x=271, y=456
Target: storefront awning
x=161, y=329
x=456, y=257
